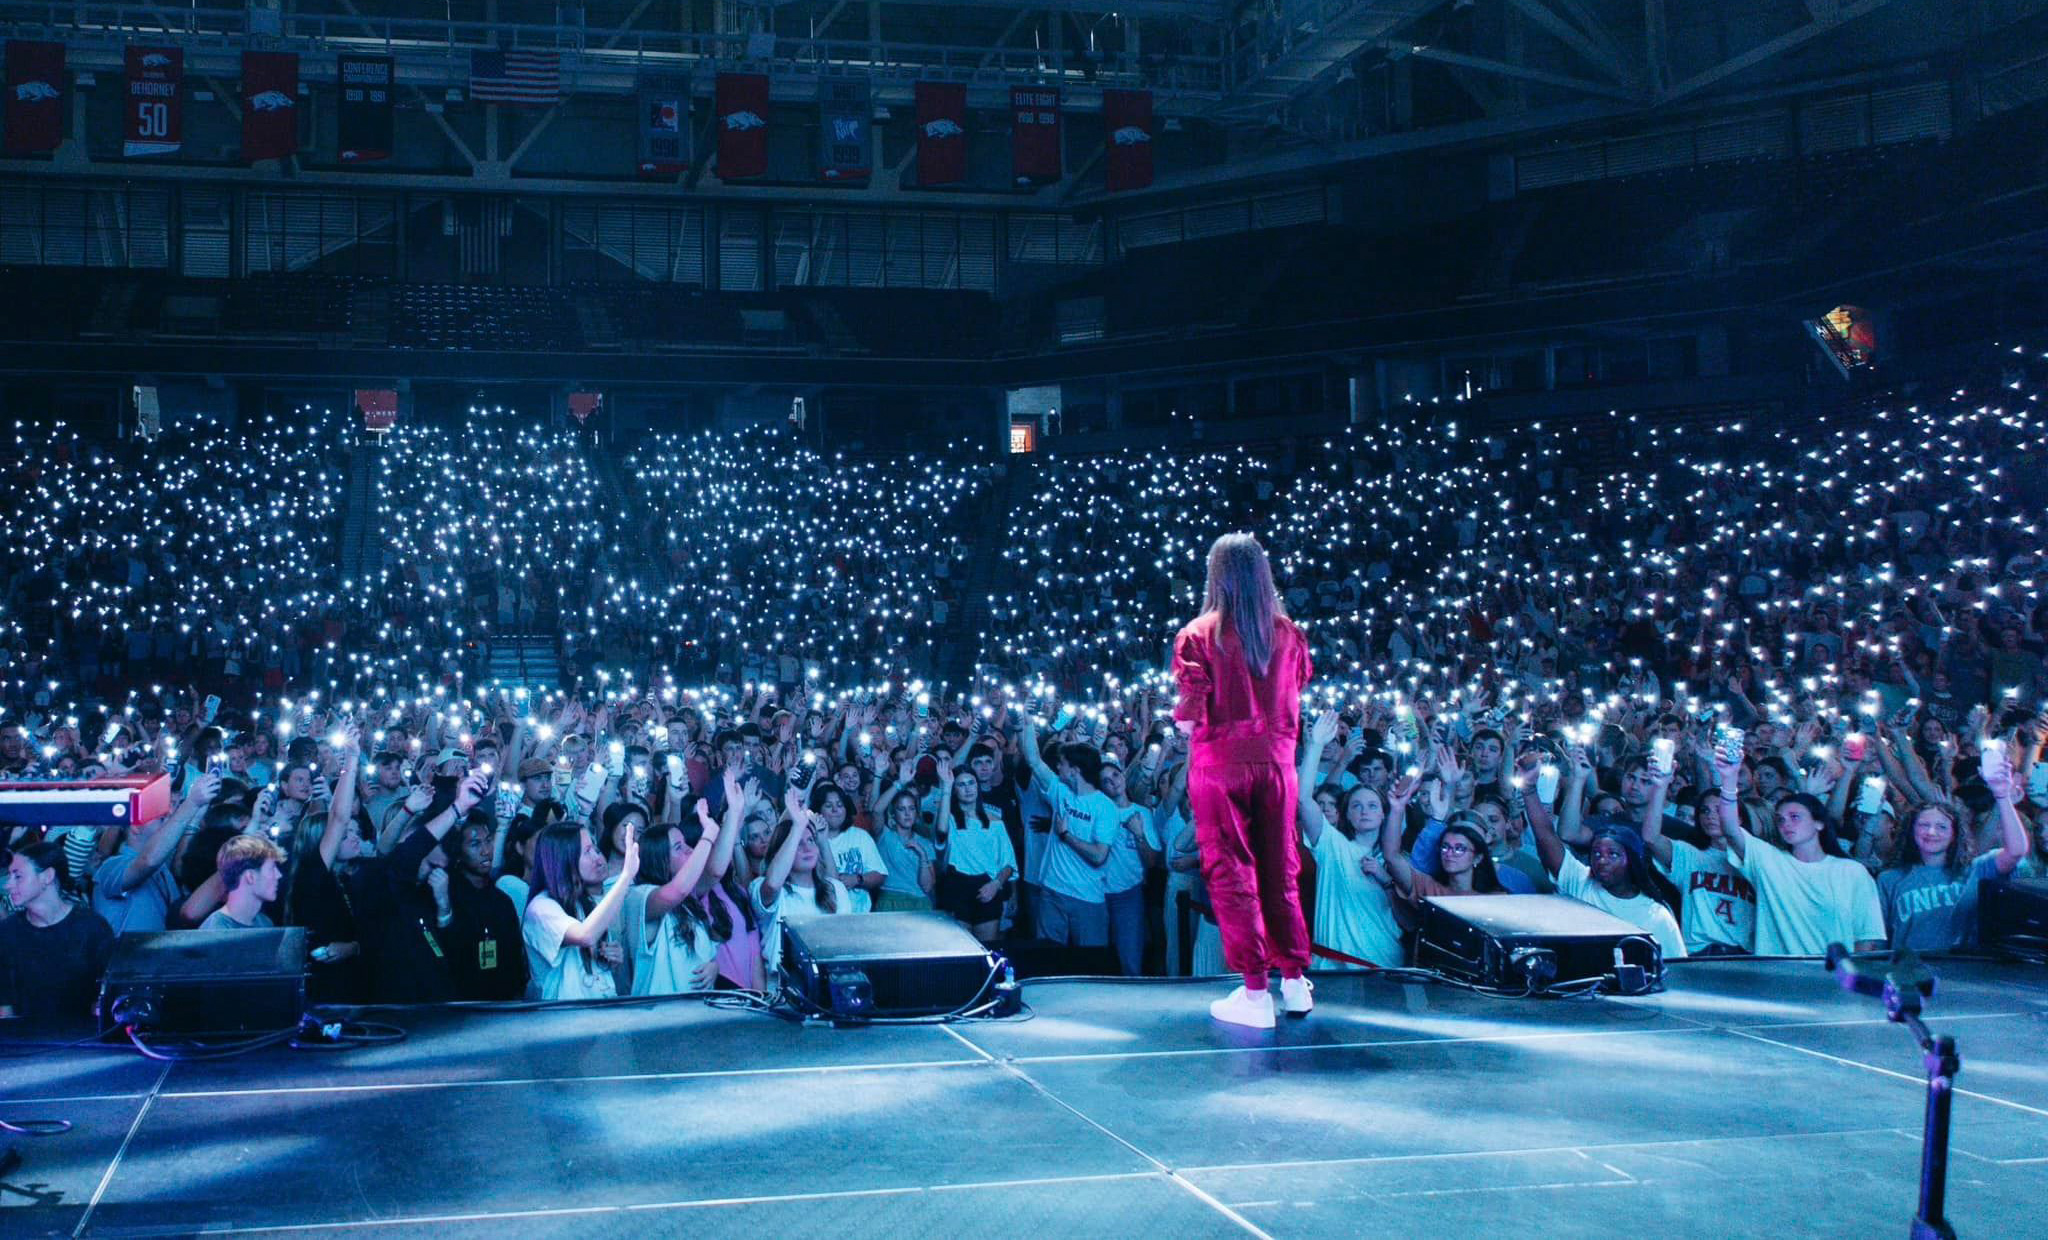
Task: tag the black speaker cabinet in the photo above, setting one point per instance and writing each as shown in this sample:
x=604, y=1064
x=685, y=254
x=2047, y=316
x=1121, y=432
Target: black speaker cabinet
x=886, y=964
x=206, y=981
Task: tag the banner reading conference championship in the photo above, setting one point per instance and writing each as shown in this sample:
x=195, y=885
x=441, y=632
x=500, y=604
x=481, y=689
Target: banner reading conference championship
x=364, y=125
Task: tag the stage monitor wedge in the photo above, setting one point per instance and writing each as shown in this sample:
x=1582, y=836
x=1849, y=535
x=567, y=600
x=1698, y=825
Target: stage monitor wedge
x=206, y=982
x=886, y=965
x=1535, y=943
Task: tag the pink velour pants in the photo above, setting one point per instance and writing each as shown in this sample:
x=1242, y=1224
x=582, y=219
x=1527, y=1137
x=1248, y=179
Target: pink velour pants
x=1244, y=825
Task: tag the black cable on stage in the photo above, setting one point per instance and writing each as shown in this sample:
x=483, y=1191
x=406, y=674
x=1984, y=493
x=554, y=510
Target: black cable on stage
x=206, y=1051
x=35, y=1127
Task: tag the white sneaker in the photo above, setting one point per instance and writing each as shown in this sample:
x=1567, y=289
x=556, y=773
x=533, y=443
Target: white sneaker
x=1253, y=1009
x=1297, y=995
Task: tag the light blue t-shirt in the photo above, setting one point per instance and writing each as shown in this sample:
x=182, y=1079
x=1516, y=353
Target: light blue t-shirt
x=904, y=862
x=1929, y=911
x=143, y=910
x=1093, y=818
x=1125, y=867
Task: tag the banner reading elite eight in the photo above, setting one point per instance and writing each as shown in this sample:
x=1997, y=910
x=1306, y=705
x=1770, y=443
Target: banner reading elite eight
x=1035, y=134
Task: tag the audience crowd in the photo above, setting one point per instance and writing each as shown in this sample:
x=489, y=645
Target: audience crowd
x=1753, y=689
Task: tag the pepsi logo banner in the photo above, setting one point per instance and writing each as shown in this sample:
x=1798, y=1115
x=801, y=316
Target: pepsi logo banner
x=36, y=86
x=270, y=105
x=664, y=129
x=741, y=105
x=941, y=133
x=1127, y=126
x=1035, y=134
x=155, y=123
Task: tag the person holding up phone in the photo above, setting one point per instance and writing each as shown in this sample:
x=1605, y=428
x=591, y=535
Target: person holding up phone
x=570, y=949
x=1808, y=894
x=1717, y=905
x=1929, y=884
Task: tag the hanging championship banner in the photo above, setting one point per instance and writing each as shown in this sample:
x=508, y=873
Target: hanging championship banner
x=941, y=133
x=364, y=125
x=155, y=123
x=664, y=128
x=35, y=96
x=741, y=100
x=379, y=407
x=583, y=404
x=1127, y=126
x=1035, y=134
x=843, y=116
x=270, y=105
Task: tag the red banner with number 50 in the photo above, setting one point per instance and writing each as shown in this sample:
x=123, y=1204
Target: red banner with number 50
x=155, y=124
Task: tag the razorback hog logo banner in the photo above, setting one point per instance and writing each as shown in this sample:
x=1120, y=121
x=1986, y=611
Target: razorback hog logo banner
x=941, y=133
x=270, y=105
x=1127, y=127
x=155, y=124
x=35, y=97
x=741, y=102
x=1035, y=134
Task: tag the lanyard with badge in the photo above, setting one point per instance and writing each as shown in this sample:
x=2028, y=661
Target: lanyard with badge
x=432, y=942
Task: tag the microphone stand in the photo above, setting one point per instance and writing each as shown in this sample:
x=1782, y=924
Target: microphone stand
x=1903, y=988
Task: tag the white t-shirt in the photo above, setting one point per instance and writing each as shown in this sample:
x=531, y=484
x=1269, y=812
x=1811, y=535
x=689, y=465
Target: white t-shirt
x=854, y=852
x=797, y=904
x=1648, y=912
x=666, y=958
x=1802, y=906
x=558, y=971
x=1353, y=913
x=972, y=848
x=1719, y=905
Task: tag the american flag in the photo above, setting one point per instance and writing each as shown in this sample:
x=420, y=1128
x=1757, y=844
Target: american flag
x=515, y=77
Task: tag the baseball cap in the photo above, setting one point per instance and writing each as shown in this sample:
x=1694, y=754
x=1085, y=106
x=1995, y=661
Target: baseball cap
x=450, y=754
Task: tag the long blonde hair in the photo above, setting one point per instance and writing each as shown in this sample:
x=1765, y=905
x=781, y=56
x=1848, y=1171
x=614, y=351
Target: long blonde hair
x=1241, y=591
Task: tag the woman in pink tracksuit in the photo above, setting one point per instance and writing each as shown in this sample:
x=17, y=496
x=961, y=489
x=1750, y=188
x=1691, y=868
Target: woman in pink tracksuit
x=1242, y=665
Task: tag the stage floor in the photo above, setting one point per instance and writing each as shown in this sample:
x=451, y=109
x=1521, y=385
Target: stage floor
x=1751, y=1099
